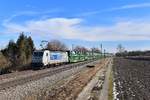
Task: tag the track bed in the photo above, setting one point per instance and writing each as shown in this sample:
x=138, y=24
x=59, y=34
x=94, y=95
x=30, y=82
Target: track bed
x=69, y=89
x=22, y=87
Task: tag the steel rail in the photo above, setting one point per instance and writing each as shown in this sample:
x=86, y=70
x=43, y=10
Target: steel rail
x=34, y=77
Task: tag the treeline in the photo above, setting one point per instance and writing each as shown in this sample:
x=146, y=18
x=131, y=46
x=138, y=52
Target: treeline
x=124, y=53
x=133, y=53
x=18, y=53
x=58, y=45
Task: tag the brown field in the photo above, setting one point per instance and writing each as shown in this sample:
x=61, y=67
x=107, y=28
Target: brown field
x=132, y=79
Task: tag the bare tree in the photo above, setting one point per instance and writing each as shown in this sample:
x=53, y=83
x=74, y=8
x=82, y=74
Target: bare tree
x=80, y=49
x=56, y=45
x=121, y=52
x=95, y=50
x=120, y=49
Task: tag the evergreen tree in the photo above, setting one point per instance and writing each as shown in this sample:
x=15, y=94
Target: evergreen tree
x=21, y=44
x=12, y=51
x=29, y=47
x=19, y=53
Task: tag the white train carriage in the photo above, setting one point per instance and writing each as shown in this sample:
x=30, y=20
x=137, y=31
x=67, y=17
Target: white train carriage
x=46, y=57
x=57, y=57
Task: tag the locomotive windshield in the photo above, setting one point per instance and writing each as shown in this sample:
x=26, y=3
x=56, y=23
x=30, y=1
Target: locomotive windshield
x=38, y=54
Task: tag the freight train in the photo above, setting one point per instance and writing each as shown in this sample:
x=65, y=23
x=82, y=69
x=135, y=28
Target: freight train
x=48, y=58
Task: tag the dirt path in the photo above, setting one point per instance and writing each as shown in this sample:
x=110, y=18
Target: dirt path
x=104, y=91
x=86, y=92
x=91, y=91
x=71, y=89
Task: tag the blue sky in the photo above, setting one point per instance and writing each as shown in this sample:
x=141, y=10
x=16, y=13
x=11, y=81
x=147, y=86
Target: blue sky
x=80, y=22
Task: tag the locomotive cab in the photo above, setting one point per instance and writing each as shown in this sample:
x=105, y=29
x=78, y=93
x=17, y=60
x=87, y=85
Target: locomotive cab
x=48, y=58
x=40, y=58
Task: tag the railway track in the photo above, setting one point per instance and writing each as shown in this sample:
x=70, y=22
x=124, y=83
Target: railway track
x=42, y=74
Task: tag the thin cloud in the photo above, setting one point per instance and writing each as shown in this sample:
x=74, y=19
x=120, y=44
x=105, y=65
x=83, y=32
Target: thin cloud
x=131, y=6
x=31, y=13
x=73, y=28
x=143, y=5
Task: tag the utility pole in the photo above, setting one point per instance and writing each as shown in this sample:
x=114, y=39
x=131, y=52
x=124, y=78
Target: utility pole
x=101, y=49
x=104, y=52
x=72, y=47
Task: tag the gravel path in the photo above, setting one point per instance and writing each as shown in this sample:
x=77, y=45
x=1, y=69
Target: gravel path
x=89, y=92
x=104, y=91
x=86, y=92
x=71, y=89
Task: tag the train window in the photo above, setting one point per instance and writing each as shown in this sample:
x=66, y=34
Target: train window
x=38, y=54
x=46, y=54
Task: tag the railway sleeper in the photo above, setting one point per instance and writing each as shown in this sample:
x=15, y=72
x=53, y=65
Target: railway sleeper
x=21, y=81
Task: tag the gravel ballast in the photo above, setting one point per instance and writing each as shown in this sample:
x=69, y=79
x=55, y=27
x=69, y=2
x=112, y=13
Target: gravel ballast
x=22, y=91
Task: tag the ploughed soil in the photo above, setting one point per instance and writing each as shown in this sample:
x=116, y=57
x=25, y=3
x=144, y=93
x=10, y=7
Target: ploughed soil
x=131, y=79
x=70, y=89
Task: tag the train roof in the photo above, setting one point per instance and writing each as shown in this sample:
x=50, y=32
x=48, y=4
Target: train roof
x=52, y=50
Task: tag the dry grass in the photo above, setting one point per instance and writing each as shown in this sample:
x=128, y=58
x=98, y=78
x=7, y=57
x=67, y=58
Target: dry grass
x=4, y=64
x=3, y=61
x=110, y=91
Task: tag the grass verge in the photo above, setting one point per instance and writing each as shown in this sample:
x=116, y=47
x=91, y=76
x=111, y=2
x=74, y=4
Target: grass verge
x=110, y=91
